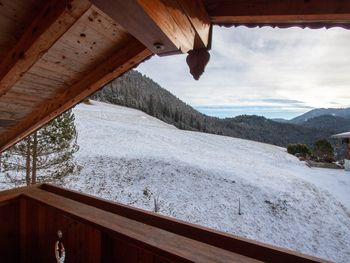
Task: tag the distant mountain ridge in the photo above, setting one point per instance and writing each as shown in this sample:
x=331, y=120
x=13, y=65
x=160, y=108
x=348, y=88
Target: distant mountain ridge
x=140, y=92
x=343, y=113
x=335, y=124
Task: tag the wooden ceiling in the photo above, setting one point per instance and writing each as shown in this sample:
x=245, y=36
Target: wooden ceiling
x=54, y=53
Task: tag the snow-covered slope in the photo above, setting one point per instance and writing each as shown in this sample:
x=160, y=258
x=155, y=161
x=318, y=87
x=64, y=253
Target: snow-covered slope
x=130, y=157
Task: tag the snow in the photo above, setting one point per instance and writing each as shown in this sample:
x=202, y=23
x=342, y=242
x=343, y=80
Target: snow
x=132, y=158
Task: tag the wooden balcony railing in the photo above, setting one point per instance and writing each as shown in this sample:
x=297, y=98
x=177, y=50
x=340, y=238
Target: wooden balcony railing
x=96, y=230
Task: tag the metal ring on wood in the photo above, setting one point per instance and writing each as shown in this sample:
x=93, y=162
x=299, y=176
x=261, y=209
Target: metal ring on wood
x=60, y=252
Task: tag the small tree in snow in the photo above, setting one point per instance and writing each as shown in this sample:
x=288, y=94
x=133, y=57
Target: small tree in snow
x=49, y=150
x=301, y=149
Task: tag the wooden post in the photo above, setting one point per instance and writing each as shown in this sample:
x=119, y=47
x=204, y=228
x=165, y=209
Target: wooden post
x=34, y=156
x=28, y=161
x=347, y=154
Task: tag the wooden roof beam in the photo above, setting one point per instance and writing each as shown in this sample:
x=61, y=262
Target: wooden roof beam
x=121, y=61
x=55, y=18
x=163, y=26
x=276, y=11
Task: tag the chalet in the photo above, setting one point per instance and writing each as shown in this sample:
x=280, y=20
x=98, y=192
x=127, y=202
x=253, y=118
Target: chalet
x=53, y=54
x=345, y=137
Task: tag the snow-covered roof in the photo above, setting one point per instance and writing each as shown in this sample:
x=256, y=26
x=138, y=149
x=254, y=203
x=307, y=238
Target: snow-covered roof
x=342, y=135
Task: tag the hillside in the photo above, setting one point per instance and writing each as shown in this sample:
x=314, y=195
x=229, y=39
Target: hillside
x=344, y=113
x=332, y=123
x=140, y=92
x=131, y=157
x=260, y=129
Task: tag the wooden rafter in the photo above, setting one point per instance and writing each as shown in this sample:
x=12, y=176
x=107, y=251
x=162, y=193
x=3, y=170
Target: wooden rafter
x=276, y=11
x=122, y=60
x=55, y=18
x=164, y=26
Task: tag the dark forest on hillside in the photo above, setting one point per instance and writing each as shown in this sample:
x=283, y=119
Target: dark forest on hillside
x=140, y=92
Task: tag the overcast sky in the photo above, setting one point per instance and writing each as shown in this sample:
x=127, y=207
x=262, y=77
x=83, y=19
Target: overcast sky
x=263, y=71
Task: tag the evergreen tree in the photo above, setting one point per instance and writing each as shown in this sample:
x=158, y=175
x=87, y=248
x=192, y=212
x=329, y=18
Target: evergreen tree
x=49, y=150
x=176, y=117
x=324, y=151
x=151, y=105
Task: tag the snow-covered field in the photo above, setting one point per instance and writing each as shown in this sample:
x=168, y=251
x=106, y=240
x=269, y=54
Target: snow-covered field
x=130, y=157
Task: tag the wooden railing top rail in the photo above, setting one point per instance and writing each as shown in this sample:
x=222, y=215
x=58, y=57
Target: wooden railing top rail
x=11, y=194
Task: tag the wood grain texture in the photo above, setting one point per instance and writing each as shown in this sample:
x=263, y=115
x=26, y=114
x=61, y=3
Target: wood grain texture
x=171, y=19
x=117, y=64
x=11, y=194
x=91, y=53
x=117, y=250
x=199, y=18
x=15, y=18
x=51, y=23
x=131, y=16
x=289, y=12
x=92, y=39
x=39, y=227
x=175, y=24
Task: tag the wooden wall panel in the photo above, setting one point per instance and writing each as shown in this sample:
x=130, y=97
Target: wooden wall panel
x=117, y=250
x=82, y=242
x=39, y=232
x=9, y=232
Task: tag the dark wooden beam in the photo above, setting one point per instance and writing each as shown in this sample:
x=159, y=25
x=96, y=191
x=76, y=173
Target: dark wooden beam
x=55, y=18
x=121, y=61
x=277, y=11
x=163, y=26
x=12, y=194
x=200, y=20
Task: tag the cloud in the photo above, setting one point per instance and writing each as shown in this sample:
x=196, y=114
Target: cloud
x=284, y=101
x=286, y=112
x=258, y=107
x=262, y=66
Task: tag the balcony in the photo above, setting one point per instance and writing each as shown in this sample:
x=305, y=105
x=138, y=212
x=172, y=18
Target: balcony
x=45, y=223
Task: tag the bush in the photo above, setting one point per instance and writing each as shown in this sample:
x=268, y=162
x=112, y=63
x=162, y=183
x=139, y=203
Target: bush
x=299, y=149
x=323, y=151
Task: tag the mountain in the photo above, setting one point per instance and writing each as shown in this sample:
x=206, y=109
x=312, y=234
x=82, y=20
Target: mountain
x=344, y=113
x=261, y=129
x=281, y=120
x=335, y=124
x=133, y=158
x=140, y=92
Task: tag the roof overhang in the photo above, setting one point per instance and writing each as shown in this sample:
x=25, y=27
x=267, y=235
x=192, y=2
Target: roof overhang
x=344, y=135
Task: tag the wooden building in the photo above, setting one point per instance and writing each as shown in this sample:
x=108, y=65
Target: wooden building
x=345, y=137
x=53, y=54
